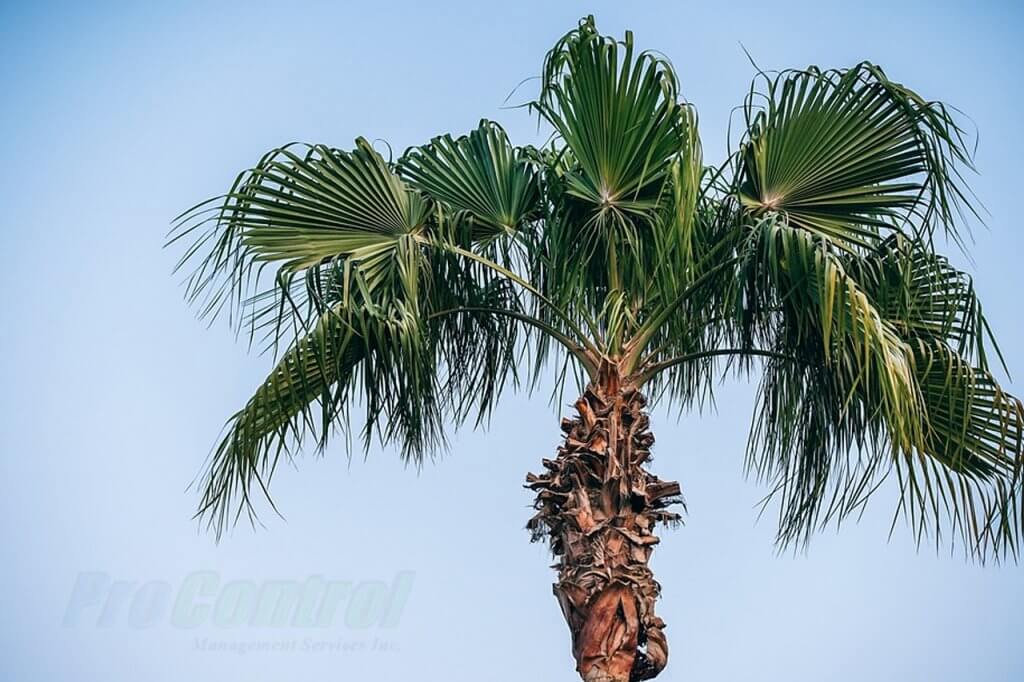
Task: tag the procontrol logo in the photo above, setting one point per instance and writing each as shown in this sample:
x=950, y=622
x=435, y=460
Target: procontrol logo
x=207, y=599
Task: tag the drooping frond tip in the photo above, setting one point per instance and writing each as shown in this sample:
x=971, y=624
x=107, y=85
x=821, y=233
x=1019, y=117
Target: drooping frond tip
x=870, y=379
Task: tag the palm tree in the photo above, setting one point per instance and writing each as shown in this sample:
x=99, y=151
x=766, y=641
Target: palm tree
x=421, y=288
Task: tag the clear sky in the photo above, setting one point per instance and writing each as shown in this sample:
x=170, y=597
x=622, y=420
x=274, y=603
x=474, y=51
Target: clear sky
x=115, y=118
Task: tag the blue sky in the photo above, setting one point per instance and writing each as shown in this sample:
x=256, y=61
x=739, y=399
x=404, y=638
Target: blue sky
x=116, y=118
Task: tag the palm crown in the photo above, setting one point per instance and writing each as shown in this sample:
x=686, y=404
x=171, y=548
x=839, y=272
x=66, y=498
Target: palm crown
x=423, y=287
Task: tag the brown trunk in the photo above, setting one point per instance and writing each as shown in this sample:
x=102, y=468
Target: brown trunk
x=598, y=506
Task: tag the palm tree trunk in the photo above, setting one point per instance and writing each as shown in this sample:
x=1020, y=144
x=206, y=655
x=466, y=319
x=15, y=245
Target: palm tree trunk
x=597, y=506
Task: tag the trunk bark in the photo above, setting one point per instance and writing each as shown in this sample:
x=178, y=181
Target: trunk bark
x=597, y=506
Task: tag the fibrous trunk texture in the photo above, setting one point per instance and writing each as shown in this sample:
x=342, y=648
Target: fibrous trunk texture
x=597, y=506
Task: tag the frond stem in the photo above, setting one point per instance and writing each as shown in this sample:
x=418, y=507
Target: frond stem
x=486, y=262
x=636, y=345
x=656, y=368
x=577, y=350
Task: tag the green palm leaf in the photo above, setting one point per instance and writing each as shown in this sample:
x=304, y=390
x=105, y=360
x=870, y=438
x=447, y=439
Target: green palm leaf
x=618, y=114
x=923, y=294
x=301, y=212
x=970, y=481
x=851, y=155
x=480, y=175
x=826, y=314
x=847, y=377
x=972, y=425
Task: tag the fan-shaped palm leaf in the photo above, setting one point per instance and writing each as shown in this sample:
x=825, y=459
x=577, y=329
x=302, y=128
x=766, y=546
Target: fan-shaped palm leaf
x=302, y=212
x=851, y=155
x=479, y=174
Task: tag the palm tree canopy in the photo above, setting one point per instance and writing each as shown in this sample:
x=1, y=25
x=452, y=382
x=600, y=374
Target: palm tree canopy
x=418, y=288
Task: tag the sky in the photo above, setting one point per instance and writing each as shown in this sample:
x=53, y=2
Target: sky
x=116, y=117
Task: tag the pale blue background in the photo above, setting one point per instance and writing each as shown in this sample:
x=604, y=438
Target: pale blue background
x=114, y=118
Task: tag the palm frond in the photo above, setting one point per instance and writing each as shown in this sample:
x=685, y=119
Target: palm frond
x=620, y=128
x=297, y=213
x=800, y=282
x=853, y=156
x=479, y=175
x=853, y=395
x=617, y=112
x=926, y=297
x=308, y=394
